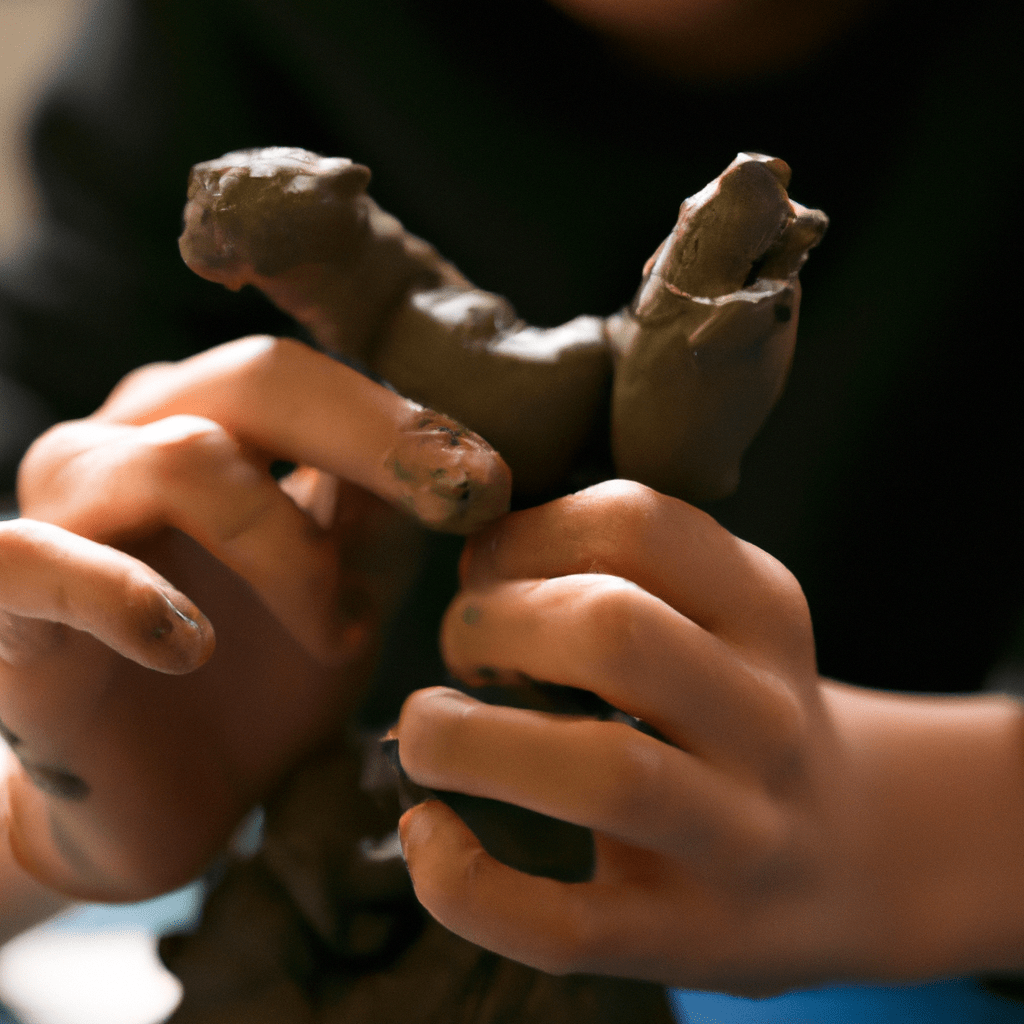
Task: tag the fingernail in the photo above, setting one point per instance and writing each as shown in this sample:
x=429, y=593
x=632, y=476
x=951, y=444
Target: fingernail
x=409, y=792
x=165, y=626
x=184, y=637
x=470, y=615
x=478, y=565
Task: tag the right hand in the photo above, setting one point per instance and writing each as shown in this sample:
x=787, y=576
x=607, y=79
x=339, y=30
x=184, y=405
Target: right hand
x=131, y=782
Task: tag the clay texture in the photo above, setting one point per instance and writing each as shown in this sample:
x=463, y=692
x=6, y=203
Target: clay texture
x=695, y=363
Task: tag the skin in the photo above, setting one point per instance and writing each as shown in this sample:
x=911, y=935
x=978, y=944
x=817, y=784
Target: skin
x=785, y=831
x=718, y=40
x=126, y=783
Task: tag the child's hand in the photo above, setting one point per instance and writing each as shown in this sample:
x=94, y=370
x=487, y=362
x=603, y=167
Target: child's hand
x=131, y=780
x=783, y=831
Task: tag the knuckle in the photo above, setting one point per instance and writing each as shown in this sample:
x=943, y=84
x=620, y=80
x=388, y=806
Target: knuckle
x=181, y=448
x=612, y=520
x=780, y=748
x=632, y=786
x=140, y=379
x=261, y=361
x=581, y=944
x=617, y=492
x=610, y=617
x=782, y=590
x=43, y=461
x=764, y=856
x=21, y=539
x=787, y=724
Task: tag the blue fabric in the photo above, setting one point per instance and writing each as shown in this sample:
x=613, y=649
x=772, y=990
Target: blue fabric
x=960, y=1001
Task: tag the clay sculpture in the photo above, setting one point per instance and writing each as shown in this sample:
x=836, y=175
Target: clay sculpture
x=695, y=363
x=321, y=925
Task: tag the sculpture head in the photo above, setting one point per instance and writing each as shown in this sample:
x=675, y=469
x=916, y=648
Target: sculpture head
x=267, y=210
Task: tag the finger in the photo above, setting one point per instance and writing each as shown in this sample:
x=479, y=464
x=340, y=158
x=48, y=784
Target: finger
x=601, y=775
x=559, y=928
x=607, y=635
x=474, y=895
x=299, y=404
x=49, y=576
x=667, y=547
x=189, y=473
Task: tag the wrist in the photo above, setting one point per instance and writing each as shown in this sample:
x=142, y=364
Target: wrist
x=934, y=833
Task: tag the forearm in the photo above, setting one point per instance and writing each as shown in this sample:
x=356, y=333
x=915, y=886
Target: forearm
x=934, y=832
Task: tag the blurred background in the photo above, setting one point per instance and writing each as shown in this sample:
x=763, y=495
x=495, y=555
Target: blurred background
x=34, y=34
x=92, y=965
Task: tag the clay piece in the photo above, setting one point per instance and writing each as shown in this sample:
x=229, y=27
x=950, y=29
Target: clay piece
x=321, y=925
x=695, y=363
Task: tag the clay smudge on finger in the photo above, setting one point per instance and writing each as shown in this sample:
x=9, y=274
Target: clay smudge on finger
x=450, y=478
x=57, y=782
x=8, y=736
x=50, y=780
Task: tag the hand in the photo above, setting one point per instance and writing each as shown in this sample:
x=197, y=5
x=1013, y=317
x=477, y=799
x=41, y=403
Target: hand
x=783, y=831
x=130, y=781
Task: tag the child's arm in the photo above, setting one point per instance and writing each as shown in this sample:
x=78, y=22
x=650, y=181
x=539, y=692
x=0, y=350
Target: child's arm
x=786, y=831
x=141, y=746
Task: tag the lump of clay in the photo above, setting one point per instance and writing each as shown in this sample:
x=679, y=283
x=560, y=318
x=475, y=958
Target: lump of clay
x=696, y=361
x=321, y=926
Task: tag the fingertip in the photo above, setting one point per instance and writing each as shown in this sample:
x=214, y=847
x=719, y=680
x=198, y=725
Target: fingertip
x=418, y=827
x=437, y=846
x=446, y=475
x=414, y=827
x=427, y=728
x=177, y=638
x=476, y=896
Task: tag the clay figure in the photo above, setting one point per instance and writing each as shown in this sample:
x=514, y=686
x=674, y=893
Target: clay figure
x=691, y=367
x=322, y=926
x=695, y=363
